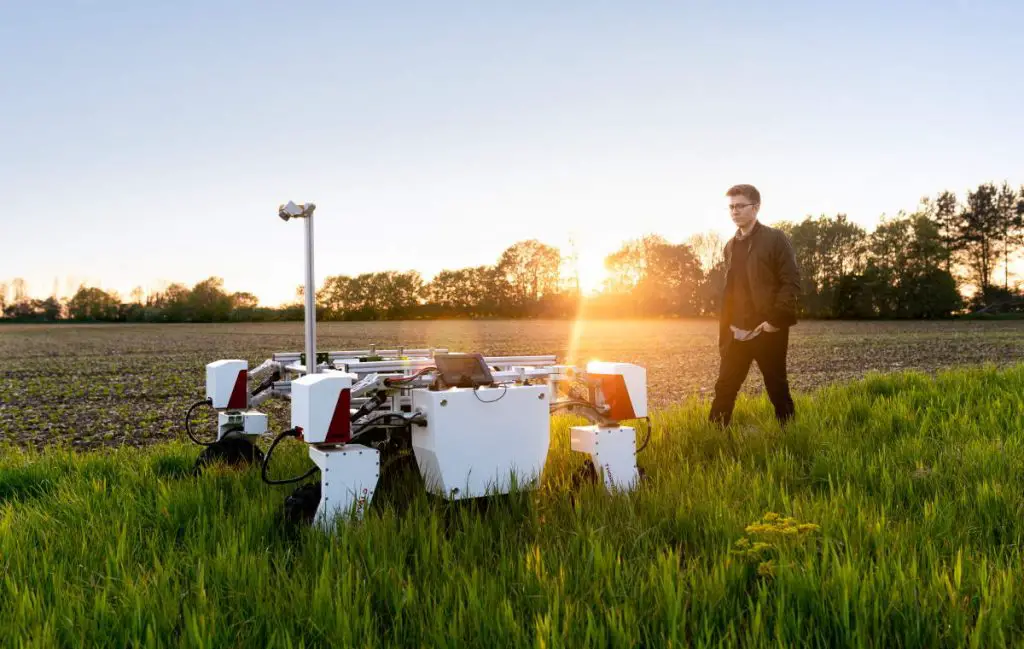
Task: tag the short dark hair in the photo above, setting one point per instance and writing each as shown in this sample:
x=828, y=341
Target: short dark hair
x=748, y=192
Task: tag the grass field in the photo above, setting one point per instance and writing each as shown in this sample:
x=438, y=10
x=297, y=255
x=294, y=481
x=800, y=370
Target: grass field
x=889, y=514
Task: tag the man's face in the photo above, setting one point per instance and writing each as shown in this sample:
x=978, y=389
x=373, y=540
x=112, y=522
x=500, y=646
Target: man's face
x=742, y=211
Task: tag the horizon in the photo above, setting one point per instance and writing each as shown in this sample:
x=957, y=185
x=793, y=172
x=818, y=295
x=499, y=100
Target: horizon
x=590, y=287
x=152, y=145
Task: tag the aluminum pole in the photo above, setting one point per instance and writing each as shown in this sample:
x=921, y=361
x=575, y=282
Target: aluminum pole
x=310, y=300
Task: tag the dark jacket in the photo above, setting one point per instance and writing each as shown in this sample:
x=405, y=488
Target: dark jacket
x=774, y=280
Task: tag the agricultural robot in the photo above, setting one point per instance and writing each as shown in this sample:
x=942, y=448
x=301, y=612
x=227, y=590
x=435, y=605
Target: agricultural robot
x=475, y=426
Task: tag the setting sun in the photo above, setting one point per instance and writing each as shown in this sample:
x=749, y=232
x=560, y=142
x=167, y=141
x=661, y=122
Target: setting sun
x=591, y=270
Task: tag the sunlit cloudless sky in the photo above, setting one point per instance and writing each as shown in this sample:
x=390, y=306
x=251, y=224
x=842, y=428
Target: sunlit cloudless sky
x=143, y=143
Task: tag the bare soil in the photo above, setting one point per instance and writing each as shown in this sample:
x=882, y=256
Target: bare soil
x=95, y=385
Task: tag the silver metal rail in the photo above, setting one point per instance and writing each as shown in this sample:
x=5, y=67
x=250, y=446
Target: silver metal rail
x=293, y=357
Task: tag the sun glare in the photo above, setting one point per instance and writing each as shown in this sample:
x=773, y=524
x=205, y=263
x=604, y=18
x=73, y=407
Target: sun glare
x=591, y=272
x=588, y=266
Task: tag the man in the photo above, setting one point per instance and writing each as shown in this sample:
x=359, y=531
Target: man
x=762, y=284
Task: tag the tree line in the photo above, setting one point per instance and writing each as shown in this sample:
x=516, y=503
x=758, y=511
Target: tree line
x=949, y=256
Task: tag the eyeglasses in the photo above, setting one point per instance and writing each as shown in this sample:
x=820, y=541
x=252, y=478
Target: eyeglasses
x=739, y=206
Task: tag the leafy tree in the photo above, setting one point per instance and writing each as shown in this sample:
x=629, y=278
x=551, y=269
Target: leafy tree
x=672, y=281
x=23, y=311
x=650, y=276
x=466, y=291
x=244, y=308
x=943, y=213
x=856, y=295
x=709, y=248
x=209, y=302
x=627, y=266
x=904, y=277
x=530, y=270
x=361, y=298
x=50, y=309
x=397, y=293
x=844, y=245
x=169, y=305
x=453, y=291
x=827, y=250
x=934, y=294
x=978, y=228
x=93, y=304
x=1010, y=209
x=333, y=296
x=711, y=287
x=243, y=300
x=387, y=294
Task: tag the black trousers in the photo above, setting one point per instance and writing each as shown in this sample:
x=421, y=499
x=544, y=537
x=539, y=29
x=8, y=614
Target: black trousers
x=769, y=351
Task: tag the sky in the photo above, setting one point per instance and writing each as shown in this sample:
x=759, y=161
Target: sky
x=143, y=143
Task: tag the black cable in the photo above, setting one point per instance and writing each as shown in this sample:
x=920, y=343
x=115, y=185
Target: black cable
x=188, y=422
x=558, y=405
x=374, y=402
x=267, y=383
x=503, y=385
x=648, y=438
x=418, y=419
x=583, y=404
x=398, y=380
x=291, y=432
x=369, y=424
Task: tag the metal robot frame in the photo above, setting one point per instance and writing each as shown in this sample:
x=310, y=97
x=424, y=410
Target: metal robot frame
x=484, y=432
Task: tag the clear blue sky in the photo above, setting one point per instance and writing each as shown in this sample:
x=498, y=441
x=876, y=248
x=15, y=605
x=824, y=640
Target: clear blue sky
x=145, y=142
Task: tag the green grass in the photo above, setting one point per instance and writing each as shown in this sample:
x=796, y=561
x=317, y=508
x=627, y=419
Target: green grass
x=915, y=484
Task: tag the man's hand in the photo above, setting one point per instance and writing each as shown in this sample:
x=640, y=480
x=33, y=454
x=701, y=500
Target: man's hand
x=764, y=326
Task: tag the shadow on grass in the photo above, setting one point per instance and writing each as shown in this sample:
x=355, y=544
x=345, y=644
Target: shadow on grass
x=24, y=483
x=172, y=466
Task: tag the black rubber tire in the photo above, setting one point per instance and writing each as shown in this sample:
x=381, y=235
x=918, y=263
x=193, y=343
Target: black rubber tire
x=586, y=474
x=399, y=482
x=230, y=451
x=395, y=471
x=300, y=507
